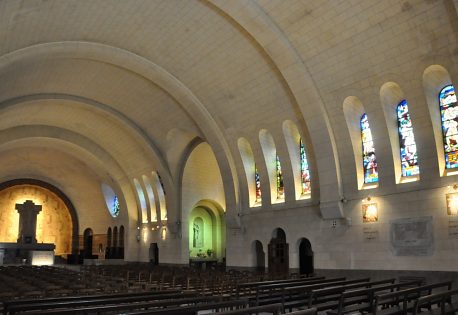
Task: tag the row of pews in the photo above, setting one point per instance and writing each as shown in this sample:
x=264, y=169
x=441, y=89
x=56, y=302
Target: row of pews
x=174, y=291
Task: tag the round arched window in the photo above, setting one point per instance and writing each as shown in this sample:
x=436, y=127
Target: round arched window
x=111, y=200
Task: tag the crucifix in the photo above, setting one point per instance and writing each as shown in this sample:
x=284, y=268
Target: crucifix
x=28, y=212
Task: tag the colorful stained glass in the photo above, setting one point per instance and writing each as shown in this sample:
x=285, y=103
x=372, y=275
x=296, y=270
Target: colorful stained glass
x=409, y=159
x=449, y=118
x=280, y=187
x=369, y=159
x=305, y=172
x=257, y=180
x=114, y=210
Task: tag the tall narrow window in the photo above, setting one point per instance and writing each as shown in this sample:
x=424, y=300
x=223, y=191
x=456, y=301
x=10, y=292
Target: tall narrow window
x=409, y=160
x=449, y=117
x=369, y=160
x=305, y=172
x=279, y=175
x=257, y=181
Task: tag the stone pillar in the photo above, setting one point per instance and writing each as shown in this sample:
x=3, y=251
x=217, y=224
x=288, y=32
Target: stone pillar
x=28, y=212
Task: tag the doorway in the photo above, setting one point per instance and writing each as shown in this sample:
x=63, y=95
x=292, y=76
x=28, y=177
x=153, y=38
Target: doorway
x=305, y=257
x=259, y=257
x=278, y=253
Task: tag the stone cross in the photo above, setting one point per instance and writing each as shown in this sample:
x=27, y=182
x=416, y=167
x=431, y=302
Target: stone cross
x=28, y=212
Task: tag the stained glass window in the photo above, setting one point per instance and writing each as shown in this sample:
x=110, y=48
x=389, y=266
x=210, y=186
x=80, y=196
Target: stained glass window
x=409, y=159
x=258, y=184
x=369, y=159
x=115, y=207
x=305, y=172
x=449, y=118
x=280, y=187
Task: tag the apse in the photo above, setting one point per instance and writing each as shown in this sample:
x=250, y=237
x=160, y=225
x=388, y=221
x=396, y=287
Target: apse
x=54, y=222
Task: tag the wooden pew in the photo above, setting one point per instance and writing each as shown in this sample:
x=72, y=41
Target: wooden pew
x=48, y=307
x=391, y=301
x=274, y=309
x=444, y=301
x=194, y=309
x=9, y=303
x=243, y=288
x=362, y=300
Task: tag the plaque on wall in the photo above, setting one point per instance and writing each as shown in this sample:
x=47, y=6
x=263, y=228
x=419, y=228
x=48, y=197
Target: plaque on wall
x=370, y=233
x=412, y=236
x=453, y=228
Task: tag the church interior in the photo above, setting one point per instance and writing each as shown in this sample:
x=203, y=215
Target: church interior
x=227, y=145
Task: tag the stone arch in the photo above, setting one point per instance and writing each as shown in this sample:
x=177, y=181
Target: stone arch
x=60, y=194
x=151, y=200
x=265, y=33
x=153, y=72
x=88, y=243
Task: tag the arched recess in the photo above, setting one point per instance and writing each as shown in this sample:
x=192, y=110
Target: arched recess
x=246, y=153
x=207, y=231
x=160, y=193
x=270, y=158
x=353, y=111
x=151, y=199
x=391, y=96
x=143, y=212
x=259, y=256
x=60, y=194
x=249, y=16
x=435, y=78
x=293, y=140
x=306, y=263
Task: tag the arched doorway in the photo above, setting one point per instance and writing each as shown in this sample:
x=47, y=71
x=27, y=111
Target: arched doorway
x=115, y=243
x=259, y=256
x=278, y=253
x=207, y=234
x=87, y=243
x=121, y=242
x=108, y=248
x=305, y=257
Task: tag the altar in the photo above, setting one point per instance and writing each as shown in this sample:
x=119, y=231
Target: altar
x=27, y=250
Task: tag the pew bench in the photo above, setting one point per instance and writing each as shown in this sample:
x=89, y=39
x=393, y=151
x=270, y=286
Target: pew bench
x=400, y=302
x=274, y=309
x=443, y=300
x=100, y=302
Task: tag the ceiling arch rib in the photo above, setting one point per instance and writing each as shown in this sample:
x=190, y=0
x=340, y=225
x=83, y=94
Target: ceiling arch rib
x=130, y=127
x=159, y=76
x=249, y=16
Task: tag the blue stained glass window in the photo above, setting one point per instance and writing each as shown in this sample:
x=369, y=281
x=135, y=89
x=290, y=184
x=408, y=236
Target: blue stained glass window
x=369, y=159
x=449, y=119
x=114, y=210
x=280, y=187
x=257, y=180
x=409, y=158
x=305, y=172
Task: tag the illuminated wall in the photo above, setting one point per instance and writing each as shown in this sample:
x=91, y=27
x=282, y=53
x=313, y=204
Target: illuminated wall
x=54, y=223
